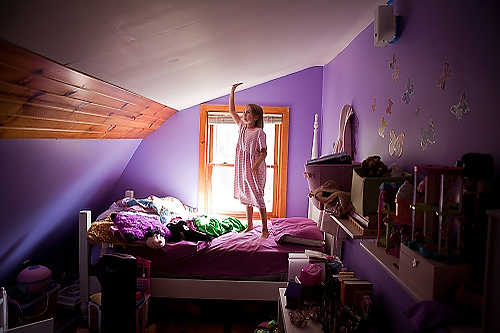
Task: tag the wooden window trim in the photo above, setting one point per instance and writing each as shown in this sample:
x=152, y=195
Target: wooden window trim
x=280, y=184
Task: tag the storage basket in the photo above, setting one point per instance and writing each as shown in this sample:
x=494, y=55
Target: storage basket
x=143, y=275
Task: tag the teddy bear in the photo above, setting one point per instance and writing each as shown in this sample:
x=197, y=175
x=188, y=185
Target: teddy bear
x=373, y=166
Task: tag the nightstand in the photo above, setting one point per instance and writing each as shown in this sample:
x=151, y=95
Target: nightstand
x=285, y=323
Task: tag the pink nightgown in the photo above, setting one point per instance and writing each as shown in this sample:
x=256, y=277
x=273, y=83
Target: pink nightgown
x=248, y=187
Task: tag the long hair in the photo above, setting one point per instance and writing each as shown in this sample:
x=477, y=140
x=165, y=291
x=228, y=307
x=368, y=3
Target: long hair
x=258, y=112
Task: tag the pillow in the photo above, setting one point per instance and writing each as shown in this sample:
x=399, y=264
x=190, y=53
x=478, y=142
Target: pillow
x=114, y=208
x=296, y=230
x=174, y=205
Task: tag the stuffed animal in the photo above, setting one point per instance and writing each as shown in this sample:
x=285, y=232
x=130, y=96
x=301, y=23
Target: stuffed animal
x=374, y=167
x=141, y=227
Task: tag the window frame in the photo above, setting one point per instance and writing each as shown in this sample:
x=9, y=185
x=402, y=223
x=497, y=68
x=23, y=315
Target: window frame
x=280, y=159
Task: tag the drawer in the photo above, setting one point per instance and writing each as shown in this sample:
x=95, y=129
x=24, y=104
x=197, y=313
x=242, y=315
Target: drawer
x=430, y=279
x=416, y=273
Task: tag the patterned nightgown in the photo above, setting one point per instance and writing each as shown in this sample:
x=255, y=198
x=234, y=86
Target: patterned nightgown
x=248, y=187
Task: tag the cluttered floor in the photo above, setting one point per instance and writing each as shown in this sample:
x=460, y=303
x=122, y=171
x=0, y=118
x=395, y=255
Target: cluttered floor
x=209, y=316
x=204, y=316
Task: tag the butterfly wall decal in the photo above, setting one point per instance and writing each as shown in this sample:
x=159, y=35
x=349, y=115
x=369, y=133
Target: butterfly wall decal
x=394, y=65
x=381, y=130
x=427, y=135
x=406, y=98
x=388, y=110
x=461, y=108
x=445, y=75
x=419, y=110
x=396, y=144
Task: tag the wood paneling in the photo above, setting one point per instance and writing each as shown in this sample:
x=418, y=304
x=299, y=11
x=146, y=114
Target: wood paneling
x=40, y=98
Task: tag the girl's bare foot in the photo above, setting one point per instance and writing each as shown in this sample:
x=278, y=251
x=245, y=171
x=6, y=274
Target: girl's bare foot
x=249, y=228
x=265, y=233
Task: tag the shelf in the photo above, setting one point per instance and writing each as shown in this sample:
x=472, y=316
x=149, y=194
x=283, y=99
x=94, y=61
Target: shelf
x=350, y=228
x=389, y=263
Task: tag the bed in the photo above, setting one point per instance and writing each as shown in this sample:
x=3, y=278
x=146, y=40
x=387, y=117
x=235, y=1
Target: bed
x=252, y=281
x=233, y=266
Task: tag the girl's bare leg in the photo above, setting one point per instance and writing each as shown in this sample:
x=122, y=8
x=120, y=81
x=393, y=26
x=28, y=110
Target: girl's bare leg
x=263, y=217
x=249, y=218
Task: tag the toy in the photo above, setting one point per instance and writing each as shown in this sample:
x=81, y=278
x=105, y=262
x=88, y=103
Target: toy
x=394, y=215
x=34, y=279
x=374, y=167
x=267, y=327
x=442, y=208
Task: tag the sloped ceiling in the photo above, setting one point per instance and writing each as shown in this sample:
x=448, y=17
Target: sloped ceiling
x=40, y=98
x=183, y=52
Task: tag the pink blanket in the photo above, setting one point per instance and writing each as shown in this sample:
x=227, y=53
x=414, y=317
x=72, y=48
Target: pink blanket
x=233, y=255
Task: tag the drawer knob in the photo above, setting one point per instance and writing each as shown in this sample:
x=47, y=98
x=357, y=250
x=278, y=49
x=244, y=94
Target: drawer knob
x=414, y=263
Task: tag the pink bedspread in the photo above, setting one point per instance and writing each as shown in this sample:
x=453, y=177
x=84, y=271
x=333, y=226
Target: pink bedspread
x=233, y=255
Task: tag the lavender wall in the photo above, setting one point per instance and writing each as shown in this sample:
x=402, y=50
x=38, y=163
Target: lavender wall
x=459, y=32
x=166, y=162
x=390, y=299
x=44, y=185
x=462, y=33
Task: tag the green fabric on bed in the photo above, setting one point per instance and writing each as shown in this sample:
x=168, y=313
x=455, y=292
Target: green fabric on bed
x=212, y=226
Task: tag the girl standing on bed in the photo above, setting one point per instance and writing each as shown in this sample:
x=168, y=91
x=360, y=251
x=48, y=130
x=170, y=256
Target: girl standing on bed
x=249, y=162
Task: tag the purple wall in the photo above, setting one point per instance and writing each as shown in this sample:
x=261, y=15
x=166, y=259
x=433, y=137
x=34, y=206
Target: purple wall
x=461, y=33
x=389, y=297
x=45, y=183
x=166, y=162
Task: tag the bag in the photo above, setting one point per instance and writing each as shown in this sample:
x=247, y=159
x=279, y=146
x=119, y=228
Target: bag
x=336, y=201
x=310, y=275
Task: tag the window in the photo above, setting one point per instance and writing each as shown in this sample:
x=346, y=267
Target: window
x=218, y=137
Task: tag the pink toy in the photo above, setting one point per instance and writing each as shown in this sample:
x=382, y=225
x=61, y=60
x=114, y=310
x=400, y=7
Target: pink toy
x=34, y=279
x=310, y=275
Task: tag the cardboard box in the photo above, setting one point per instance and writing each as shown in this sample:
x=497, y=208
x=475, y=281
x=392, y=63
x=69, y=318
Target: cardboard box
x=365, y=191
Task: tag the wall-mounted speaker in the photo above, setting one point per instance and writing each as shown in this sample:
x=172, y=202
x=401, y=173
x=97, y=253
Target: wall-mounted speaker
x=384, y=25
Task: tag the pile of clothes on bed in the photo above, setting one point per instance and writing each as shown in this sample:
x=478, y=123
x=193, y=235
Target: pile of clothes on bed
x=155, y=221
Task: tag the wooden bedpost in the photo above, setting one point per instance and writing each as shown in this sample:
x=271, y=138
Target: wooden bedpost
x=84, y=221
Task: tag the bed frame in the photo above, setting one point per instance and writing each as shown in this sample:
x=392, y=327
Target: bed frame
x=186, y=288
x=178, y=288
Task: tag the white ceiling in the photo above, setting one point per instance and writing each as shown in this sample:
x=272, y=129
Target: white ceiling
x=185, y=52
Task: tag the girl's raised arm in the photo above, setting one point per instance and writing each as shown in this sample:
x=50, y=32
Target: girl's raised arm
x=232, y=109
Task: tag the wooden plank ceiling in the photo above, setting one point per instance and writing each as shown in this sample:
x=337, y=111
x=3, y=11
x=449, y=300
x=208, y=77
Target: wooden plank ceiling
x=40, y=98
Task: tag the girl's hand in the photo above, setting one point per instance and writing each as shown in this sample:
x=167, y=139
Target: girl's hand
x=232, y=108
x=236, y=85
